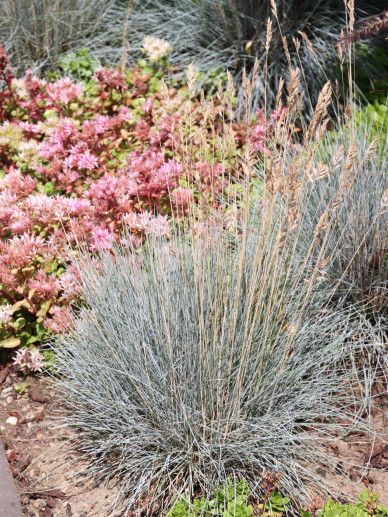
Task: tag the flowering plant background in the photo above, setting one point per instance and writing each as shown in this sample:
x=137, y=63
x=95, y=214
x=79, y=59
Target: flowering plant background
x=81, y=162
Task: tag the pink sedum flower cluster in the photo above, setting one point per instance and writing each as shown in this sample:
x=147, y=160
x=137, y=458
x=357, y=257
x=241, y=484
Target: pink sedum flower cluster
x=81, y=167
x=29, y=360
x=64, y=91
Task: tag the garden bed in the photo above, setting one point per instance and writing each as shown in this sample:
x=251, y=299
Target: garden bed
x=46, y=473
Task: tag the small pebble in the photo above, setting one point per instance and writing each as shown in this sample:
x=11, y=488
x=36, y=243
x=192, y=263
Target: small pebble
x=9, y=400
x=29, y=416
x=6, y=392
x=12, y=420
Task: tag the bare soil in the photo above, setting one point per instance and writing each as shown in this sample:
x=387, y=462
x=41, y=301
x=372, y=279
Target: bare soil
x=46, y=473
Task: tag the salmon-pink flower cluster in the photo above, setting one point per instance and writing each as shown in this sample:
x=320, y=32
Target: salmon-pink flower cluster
x=95, y=169
x=64, y=90
x=29, y=360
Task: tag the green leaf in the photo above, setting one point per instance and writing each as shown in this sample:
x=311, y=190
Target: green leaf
x=20, y=388
x=11, y=342
x=44, y=308
x=19, y=323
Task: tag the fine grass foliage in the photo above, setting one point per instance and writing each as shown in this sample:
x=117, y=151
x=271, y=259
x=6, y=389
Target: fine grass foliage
x=206, y=361
x=36, y=33
x=209, y=357
x=358, y=239
x=233, y=34
x=215, y=353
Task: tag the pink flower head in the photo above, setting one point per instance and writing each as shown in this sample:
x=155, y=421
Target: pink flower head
x=113, y=79
x=20, y=250
x=144, y=223
x=102, y=239
x=165, y=133
x=87, y=161
x=17, y=183
x=124, y=114
x=61, y=320
x=64, y=130
x=166, y=177
x=44, y=287
x=29, y=128
x=148, y=106
x=76, y=206
x=137, y=223
x=276, y=114
x=64, y=90
x=5, y=314
x=20, y=222
x=29, y=360
x=208, y=172
x=258, y=138
x=112, y=193
x=44, y=209
x=158, y=226
x=98, y=125
x=48, y=150
x=69, y=285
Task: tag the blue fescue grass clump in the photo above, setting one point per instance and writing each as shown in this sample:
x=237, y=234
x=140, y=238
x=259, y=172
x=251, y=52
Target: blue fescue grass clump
x=36, y=33
x=220, y=34
x=206, y=359
x=218, y=354
x=357, y=243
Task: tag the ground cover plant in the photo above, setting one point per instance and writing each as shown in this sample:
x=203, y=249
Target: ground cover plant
x=79, y=161
x=233, y=500
x=219, y=353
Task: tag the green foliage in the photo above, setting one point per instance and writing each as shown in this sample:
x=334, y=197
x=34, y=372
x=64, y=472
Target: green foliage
x=368, y=504
x=49, y=360
x=79, y=65
x=275, y=505
x=21, y=388
x=372, y=80
x=230, y=500
x=24, y=329
x=374, y=116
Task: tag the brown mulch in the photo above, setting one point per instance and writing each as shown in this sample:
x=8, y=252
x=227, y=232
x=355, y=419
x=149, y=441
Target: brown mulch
x=45, y=471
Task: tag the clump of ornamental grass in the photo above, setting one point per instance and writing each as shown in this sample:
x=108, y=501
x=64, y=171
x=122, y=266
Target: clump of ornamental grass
x=232, y=34
x=207, y=359
x=36, y=33
x=213, y=355
x=357, y=242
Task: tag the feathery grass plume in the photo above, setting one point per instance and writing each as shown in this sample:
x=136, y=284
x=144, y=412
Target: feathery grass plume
x=232, y=34
x=368, y=28
x=210, y=356
x=35, y=33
